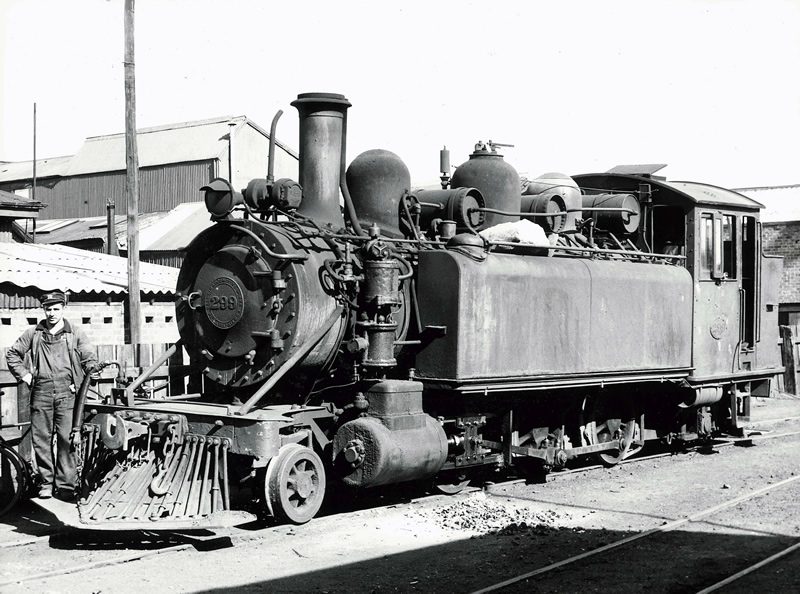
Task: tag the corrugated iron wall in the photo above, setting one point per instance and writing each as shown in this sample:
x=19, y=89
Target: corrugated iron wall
x=161, y=188
x=14, y=297
x=165, y=258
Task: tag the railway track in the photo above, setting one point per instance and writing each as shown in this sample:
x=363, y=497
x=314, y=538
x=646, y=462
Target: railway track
x=232, y=537
x=669, y=526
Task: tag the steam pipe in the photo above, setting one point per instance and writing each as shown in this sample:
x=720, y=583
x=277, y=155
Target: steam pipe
x=553, y=214
x=269, y=252
x=291, y=361
x=352, y=215
x=150, y=370
x=271, y=159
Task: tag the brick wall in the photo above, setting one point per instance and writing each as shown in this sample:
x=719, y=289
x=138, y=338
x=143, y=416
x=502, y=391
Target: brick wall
x=783, y=239
x=103, y=322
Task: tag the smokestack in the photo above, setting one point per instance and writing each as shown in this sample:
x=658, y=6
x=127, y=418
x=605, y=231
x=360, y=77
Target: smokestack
x=321, y=129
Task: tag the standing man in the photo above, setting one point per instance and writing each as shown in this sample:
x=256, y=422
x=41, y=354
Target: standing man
x=52, y=359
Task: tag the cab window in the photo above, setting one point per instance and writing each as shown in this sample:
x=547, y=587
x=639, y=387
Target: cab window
x=729, y=246
x=706, y=245
x=717, y=246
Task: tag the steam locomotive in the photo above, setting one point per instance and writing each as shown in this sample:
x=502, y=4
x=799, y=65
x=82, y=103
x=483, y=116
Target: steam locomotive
x=351, y=329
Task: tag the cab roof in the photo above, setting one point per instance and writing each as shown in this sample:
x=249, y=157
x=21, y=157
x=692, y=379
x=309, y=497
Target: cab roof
x=668, y=191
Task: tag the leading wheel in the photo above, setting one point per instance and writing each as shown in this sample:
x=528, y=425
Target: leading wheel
x=295, y=484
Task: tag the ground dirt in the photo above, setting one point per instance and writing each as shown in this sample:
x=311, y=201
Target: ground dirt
x=402, y=540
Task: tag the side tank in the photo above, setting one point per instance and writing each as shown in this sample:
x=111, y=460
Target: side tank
x=497, y=181
x=511, y=318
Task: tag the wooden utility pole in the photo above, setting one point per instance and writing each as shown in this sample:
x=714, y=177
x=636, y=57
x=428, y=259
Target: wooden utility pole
x=132, y=186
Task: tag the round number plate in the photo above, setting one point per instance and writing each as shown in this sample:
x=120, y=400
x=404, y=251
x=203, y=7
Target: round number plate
x=224, y=302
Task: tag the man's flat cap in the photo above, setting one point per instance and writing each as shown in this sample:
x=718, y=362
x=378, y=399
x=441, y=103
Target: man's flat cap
x=53, y=297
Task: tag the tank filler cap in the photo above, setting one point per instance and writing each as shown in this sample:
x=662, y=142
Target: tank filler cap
x=465, y=240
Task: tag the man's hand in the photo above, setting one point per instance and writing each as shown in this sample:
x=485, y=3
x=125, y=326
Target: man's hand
x=27, y=378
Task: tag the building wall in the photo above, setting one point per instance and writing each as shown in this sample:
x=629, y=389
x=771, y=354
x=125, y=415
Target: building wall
x=783, y=239
x=103, y=322
x=160, y=188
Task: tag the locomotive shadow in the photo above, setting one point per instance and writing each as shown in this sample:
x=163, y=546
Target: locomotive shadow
x=32, y=520
x=136, y=540
x=29, y=519
x=673, y=562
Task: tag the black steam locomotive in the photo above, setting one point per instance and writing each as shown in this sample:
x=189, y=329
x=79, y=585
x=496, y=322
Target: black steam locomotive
x=352, y=329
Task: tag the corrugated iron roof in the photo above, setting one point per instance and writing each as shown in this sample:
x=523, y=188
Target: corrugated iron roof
x=197, y=141
x=175, y=230
x=52, y=231
x=50, y=167
x=174, y=143
x=50, y=267
x=12, y=201
x=158, y=231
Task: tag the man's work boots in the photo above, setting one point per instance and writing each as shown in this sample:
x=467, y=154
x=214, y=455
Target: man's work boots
x=45, y=492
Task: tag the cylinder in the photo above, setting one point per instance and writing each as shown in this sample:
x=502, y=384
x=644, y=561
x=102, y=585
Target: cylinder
x=378, y=180
x=397, y=442
x=322, y=118
x=624, y=221
x=496, y=180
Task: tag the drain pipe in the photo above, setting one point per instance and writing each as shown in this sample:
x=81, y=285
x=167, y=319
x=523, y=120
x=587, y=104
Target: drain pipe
x=111, y=229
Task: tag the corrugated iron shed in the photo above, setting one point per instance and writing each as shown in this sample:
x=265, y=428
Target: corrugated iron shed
x=50, y=267
x=174, y=143
x=782, y=203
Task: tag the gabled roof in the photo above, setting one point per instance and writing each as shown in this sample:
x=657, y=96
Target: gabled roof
x=181, y=143
x=174, y=143
x=51, y=267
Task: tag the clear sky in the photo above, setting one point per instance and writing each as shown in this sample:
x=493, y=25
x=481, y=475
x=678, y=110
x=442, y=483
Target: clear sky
x=710, y=87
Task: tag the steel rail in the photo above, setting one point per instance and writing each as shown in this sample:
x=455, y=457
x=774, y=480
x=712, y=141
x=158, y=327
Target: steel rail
x=751, y=569
x=669, y=526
